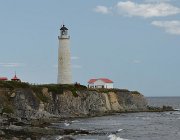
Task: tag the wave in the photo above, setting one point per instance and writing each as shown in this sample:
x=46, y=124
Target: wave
x=176, y=113
x=146, y=118
x=143, y=118
x=75, y=121
x=114, y=137
x=87, y=139
x=119, y=130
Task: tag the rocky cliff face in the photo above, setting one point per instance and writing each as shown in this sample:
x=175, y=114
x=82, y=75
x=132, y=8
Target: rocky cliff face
x=31, y=103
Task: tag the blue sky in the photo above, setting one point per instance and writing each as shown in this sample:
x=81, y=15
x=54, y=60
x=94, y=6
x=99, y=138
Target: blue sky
x=135, y=43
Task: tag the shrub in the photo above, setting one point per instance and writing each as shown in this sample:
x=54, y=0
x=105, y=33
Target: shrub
x=135, y=92
x=7, y=109
x=13, y=84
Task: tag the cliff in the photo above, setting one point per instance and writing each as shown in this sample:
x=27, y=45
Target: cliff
x=43, y=101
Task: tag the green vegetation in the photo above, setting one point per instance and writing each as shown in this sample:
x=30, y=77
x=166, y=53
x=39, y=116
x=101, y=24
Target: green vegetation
x=9, y=86
x=135, y=92
x=13, y=85
x=59, y=88
x=105, y=90
x=7, y=109
x=56, y=89
x=42, y=97
x=159, y=109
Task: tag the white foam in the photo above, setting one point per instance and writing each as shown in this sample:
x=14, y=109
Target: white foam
x=119, y=130
x=83, y=129
x=146, y=118
x=58, y=137
x=114, y=137
x=75, y=121
x=176, y=113
x=87, y=139
x=66, y=124
x=168, y=113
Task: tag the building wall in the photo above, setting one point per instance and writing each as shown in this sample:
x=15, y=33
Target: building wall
x=64, y=61
x=100, y=84
x=90, y=85
x=109, y=85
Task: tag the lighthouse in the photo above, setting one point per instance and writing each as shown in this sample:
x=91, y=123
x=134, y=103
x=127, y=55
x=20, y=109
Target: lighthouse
x=64, y=58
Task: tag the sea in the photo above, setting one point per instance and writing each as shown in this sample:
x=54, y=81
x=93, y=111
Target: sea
x=130, y=126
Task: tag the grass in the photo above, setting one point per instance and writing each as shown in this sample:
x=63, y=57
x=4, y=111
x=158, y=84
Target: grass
x=7, y=109
x=58, y=88
x=105, y=90
x=135, y=92
x=13, y=85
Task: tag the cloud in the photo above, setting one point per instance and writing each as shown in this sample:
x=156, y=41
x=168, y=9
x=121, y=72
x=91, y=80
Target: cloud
x=136, y=61
x=172, y=27
x=146, y=10
x=74, y=57
x=102, y=9
x=157, y=1
x=11, y=64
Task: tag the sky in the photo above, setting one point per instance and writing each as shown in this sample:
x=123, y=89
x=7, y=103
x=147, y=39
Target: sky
x=135, y=43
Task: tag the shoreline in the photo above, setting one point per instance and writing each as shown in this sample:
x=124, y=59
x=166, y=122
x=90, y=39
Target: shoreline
x=27, y=111
x=37, y=128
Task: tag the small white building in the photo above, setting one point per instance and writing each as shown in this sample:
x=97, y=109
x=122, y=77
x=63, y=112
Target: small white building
x=100, y=83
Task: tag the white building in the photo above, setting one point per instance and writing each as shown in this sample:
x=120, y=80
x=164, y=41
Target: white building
x=64, y=58
x=100, y=83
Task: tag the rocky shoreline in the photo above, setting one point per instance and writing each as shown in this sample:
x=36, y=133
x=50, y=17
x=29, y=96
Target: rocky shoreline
x=16, y=129
x=27, y=111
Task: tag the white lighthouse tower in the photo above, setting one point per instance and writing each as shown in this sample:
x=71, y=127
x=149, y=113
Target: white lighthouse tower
x=64, y=58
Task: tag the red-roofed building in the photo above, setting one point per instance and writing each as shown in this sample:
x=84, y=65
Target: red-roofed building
x=100, y=83
x=15, y=78
x=3, y=78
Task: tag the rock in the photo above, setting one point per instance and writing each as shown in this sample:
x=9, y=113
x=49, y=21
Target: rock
x=67, y=138
x=28, y=107
x=28, y=138
x=167, y=108
x=15, y=138
x=43, y=114
x=15, y=127
x=114, y=102
x=41, y=106
x=45, y=92
x=22, y=96
x=2, y=133
x=43, y=131
x=37, y=102
x=13, y=95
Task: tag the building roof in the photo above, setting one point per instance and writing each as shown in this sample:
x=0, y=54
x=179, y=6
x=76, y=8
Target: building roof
x=105, y=80
x=3, y=78
x=15, y=78
x=63, y=28
x=92, y=81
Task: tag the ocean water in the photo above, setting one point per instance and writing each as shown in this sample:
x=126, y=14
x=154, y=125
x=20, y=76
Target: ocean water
x=131, y=126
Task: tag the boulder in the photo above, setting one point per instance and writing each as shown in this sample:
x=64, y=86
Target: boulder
x=2, y=133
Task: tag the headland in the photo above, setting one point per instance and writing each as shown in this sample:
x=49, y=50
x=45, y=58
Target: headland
x=27, y=109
